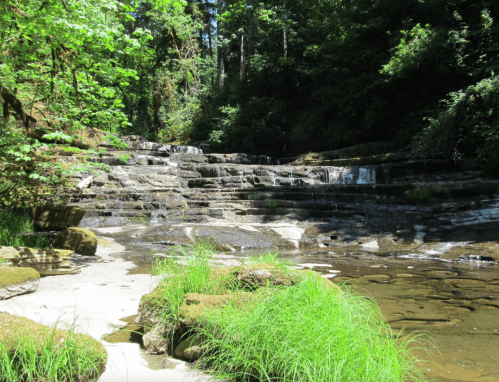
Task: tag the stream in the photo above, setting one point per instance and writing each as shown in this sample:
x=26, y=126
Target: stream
x=421, y=290
x=431, y=264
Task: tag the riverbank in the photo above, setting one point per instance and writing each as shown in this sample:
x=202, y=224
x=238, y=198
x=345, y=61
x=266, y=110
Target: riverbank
x=95, y=300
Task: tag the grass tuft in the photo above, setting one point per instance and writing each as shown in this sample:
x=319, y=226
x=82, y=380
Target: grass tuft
x=271, y=258
x=306, y=332
x=309, y=331
x=45, y=357
x=187, y=270
x=12, y=224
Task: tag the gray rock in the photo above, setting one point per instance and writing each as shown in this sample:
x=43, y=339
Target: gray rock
x=154, y=341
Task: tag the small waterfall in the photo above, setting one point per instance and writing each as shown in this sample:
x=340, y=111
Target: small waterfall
x=272, y=177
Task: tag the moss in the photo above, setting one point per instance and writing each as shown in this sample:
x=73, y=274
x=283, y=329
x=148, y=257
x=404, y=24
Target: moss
x=14, y=275
x=196, y=303
x=79, y=240
x=11, y=325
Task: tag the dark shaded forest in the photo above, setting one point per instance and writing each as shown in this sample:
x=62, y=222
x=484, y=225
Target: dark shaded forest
x=277, y=77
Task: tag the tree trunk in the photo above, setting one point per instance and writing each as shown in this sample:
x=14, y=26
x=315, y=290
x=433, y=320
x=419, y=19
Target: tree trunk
x=10, y=100
x=220, y=58
x=284, y=34
x=241, y=68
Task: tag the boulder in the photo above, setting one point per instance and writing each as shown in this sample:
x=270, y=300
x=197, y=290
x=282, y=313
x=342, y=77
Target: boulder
x=47, y=262
x=190, y=348
x=161, y=333
x=13, y=329
x=56, y=218
x=15, y=281
x=79, y=240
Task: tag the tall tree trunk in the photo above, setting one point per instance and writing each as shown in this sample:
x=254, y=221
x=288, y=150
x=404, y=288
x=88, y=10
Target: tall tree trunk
x=284, y=34
x=241, y=67
x=220, y=58
x=210, y=47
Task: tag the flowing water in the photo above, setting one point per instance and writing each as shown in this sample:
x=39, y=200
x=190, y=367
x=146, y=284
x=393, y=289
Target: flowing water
x=455, y=302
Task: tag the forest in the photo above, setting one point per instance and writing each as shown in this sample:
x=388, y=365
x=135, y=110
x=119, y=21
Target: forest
x=274, y=77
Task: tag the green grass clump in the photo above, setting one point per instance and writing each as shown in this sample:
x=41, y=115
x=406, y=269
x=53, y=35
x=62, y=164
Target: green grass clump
x=12, y=224
x=309, y=331
x=186, y=271
x=269, y=258
x=306, y=332
x=44, y=356
x=418, y=194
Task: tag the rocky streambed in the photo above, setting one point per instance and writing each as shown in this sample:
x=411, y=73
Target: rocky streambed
x=444, y=289
x=419, y=238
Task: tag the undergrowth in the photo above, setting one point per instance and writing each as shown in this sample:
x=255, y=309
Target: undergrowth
x=311, y=331
x=72, y=358
x=12, y=224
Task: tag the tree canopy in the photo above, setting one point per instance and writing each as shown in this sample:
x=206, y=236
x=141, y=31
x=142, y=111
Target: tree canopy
x=275, y=77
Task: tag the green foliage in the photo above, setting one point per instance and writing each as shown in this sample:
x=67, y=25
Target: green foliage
x=60, y=60
x=414, y=47
x=124, y=158
x=418, y=194
x=73, y=358
x=306, y=332
x=12, y=224
x=58, y=136
x=273, y=203
x=253, y=126
x=187, y=270
x=467, y=125
x=272, y=258
x=116, y=142
x=251, y=196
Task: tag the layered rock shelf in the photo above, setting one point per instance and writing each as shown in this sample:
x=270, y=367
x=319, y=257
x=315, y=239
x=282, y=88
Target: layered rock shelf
x=180, y=184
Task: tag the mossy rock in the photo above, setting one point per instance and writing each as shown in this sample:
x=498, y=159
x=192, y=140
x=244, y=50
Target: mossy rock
x=195, y=304
x=56, y=218
x=190, y=348
x=15, y=281
x=13, y=329
x=13, y=275
x=235, y=286
x=79, y=240
x=250, y=277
